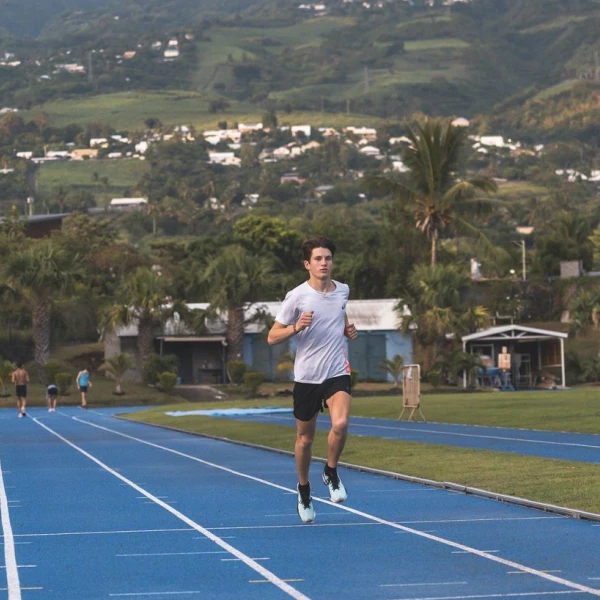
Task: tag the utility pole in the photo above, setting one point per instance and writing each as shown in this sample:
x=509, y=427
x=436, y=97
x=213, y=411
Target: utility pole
x=366, y=89
x=347, y=107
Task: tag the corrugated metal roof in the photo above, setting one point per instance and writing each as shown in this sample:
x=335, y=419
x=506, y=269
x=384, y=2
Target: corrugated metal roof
x=367, y=315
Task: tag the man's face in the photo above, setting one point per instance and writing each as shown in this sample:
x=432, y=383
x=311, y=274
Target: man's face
x=320, y=264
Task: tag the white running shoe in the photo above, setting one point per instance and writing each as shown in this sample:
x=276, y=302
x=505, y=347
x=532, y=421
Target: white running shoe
x=337, y=491
x=306, y=510
x=20, y=415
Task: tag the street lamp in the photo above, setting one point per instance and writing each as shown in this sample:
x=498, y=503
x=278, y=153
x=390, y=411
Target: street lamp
x=524, y=231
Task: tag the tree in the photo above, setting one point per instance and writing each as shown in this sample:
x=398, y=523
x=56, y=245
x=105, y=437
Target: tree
x=437, y=316
x=6, y=369
x=115, y=367
x=142, y=299
x=394, y=367
x=439, y=199
x=41, y=272
x=232, y=281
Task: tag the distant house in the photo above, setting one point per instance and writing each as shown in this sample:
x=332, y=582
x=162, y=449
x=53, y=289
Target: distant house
x=171, y=53
x=224, y=158
x=292, y=178
x=127, y=203
x=249, y=127
x=83, y=153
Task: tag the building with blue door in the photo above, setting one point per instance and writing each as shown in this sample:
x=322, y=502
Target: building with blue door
x=202, y=358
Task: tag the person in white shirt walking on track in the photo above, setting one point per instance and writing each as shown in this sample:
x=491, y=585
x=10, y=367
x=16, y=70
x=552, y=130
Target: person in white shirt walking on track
x=315, y=313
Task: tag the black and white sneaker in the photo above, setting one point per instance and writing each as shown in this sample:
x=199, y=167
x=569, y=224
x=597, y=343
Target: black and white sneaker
x=337, y=491
x=306, y=510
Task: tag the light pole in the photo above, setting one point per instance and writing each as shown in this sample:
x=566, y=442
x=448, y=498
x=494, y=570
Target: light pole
x=524, y=231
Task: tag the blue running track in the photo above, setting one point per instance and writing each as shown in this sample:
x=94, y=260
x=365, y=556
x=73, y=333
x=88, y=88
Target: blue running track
x=548, y=444
x=94, y=507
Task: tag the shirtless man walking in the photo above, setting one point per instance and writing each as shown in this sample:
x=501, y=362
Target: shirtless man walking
x=20, y=379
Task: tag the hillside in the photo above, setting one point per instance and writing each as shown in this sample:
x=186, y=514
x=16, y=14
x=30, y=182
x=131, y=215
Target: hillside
x=527, y=65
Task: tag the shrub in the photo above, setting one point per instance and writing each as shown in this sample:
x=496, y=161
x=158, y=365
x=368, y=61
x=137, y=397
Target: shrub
x=51, y=369
x=154, y=365
x=63, y=380
x=253, y=381
x=166, y=381
x=236, y=370
x=354, y=377
x=6, y=369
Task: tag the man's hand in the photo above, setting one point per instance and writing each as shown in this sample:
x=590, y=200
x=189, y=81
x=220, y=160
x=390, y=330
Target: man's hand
x=304, y=321
x=350, y=331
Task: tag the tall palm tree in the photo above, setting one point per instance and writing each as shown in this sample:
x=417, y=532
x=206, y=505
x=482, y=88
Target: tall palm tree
x=142, y=299
x=439, y=199
x=233, y=280
x=41, y=272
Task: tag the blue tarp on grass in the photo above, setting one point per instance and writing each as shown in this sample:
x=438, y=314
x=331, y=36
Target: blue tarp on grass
x=230, y=412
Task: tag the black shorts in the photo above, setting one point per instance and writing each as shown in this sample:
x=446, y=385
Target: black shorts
x=310, y=398
x=21, y=391
x=53, y=392
x=83, y=388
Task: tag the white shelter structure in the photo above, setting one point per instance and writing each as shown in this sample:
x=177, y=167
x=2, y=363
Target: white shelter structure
x=531, y=351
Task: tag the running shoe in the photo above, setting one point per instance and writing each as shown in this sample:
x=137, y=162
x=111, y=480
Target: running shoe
x=20, y=415
x=337, y=491
x=306, y=510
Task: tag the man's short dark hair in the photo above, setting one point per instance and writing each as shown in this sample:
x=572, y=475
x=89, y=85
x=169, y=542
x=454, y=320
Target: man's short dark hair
x=319, y=241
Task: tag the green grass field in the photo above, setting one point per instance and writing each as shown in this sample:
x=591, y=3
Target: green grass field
x=117, y=110
x=558, y=482
x=123, y=177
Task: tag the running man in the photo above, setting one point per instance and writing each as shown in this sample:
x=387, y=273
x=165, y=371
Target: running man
x=315, y=313
x=83, y=383
x=51, y=397
x=20, y=379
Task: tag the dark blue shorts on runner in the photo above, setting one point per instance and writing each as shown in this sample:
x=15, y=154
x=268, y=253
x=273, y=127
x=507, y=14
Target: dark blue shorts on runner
x=310, y=398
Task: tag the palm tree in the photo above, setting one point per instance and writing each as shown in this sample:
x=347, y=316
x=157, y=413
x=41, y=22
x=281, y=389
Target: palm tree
x=40, y=273
x=439, y=199
x=142, y=299
x=394, y=367
x=115, y=368
x=232, y=281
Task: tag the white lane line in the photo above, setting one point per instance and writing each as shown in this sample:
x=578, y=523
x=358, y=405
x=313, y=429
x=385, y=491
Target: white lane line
x=150, y=594
x=172, y=553
x=507, y=595
x=237, y=559
x=457, y=434
x=423, y=584
x=117, y=531
x=10, y=557
x=20, y=566
x=485, y=437
x=276, y=581
x=508, y=563
x=463, y=552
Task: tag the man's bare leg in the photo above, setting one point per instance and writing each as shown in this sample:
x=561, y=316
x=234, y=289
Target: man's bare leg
x=339, y=411
x=305, y=435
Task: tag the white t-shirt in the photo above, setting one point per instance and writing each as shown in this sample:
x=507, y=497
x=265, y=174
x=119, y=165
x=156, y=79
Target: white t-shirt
x=321, y=349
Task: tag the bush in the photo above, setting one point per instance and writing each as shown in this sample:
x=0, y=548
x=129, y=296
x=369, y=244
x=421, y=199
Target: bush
x=155, y=365
x=236, y=369
x=63, y=380
x=167, y=381
x=354, y=377
x=253, y=381
x=51, y=369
